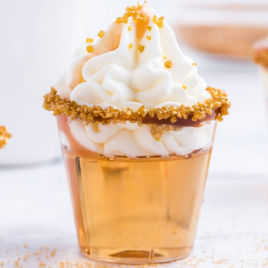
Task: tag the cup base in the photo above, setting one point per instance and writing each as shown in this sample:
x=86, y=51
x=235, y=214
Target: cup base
x=136, y=256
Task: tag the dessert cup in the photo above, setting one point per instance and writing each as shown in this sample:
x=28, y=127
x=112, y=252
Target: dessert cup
x=261, y=58
x=136, y=210
x=136, y=124
x=206, y=25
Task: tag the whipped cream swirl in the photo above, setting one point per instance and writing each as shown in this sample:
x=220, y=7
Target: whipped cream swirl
x=119, y=74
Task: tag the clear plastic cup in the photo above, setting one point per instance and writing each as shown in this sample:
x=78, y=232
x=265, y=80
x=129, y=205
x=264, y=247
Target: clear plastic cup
x=141, y=209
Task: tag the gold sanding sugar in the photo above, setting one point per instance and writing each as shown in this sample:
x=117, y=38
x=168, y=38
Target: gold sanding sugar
x=141, y=48
x=4, y=136
x=53, y=253
x=101, y=33
x=135, y=13
x=168, y=64
x=89, y=48
x=158, y=21
x=89, y=40
x=218, y=103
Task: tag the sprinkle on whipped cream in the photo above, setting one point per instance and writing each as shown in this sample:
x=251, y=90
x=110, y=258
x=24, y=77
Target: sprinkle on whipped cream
x=101, y=33
x=158, y=21
x=141, y=48
x=89, y=40
x=89, y=48
x=168, y=64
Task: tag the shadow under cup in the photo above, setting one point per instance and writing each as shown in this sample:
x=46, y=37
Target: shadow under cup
x=141, y=210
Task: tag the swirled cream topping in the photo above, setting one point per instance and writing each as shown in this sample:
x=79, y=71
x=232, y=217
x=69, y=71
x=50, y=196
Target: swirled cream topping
x=136, y=62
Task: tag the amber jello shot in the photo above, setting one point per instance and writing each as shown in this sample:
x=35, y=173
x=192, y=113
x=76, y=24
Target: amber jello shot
x=137, y=125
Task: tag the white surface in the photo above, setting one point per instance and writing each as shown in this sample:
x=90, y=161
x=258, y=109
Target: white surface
x=35, y=209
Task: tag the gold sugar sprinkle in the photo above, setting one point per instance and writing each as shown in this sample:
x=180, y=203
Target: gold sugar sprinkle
x=130, y=28
x=168, y=64
x=133, y=12
x=184, y=86
x=141, y=48
x=89, y=40
x=125, y=20
x=4, y=136
x=27, y=256
x=53, y=253
x=164, y=56
x=101, y=34
x=218, y=104
x=173, y=119
x=149, y=28
x=37, y=252
x=158, y=21
x=194, y=64
x=149, y=37
x=119, y=20
x=130, y=46
x=139, y=17
x=89, y=48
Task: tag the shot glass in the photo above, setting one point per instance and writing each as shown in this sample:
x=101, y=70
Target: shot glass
x=135, y=210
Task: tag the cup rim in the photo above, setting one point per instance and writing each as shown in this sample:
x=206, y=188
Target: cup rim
x=214, y=108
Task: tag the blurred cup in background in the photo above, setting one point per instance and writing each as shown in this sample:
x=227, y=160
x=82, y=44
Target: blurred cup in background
x=37, y=41
x=222, y=27
x=260, y=55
